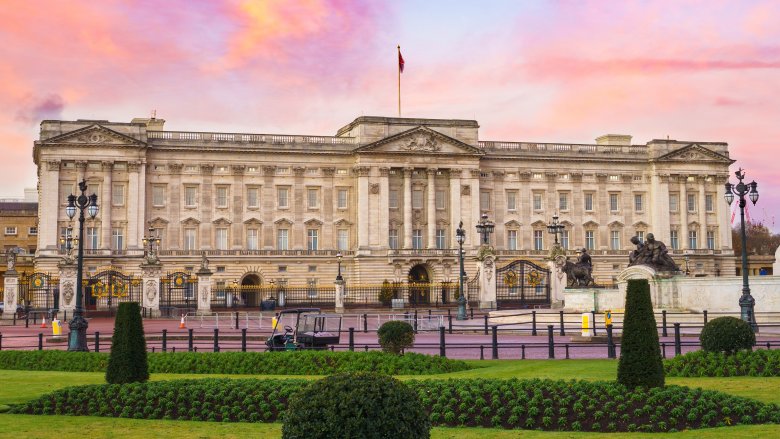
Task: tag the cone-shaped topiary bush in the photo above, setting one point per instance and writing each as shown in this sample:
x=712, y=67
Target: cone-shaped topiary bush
x=640, y=355
x=727, y=334
x=395, y=336
x=356, y=405
x=127, y=362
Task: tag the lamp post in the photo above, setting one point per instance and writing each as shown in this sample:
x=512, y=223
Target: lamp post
x=555, y=228
x=485, y=228
x=77, y=341
x=460, y=236
x=151, y=243
x=338, y=258
x=746, y=303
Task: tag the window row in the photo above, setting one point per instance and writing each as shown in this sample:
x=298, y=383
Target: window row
x=14, y=230
x=693, y=239
x=615, y=239
x=691, y=204
x=418, y=198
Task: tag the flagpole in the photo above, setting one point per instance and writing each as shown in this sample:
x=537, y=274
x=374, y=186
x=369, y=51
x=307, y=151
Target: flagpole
x=399, y=81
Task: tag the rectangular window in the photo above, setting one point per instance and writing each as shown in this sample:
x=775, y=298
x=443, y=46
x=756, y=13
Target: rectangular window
x=66, y=188
x=614, y=240
x=691, y=202
x=511, y=200
x=441, y=239
x=222, y=196
x=342, y=239
x=118, y=195
x=221, y=238
x=674, y=202
x=312, y=239
x=538, y=240
x=10, y=230
x=117, y=239
x=417, y=242
x=638, y=203
x=589, y=202
x=392, y=239
x=342, y=198
x=190, y=196
x=417, y=199
x=511, y=239
x=674, y=241
x=64, y=233
x=613, y=202
x=641, y=235
x=441, y=200
x=590, y=239
x=281, y=239
x=565, y=239
x=313, y=198
x=32, y=231
x=710, y=240
x=563, y=201
x=537, y=201
x=484, y=200
x=282, y=197
x=252, y=198
x=709, y=204
x=393, y=199
x=189, y=239
x=92, y=238
x=158, y=196
x=692, y=239
x=251, y=239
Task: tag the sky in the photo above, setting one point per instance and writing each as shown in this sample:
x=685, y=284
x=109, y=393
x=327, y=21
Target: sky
x=536, y=71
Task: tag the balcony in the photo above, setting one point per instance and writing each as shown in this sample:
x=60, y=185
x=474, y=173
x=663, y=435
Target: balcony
x=331, y=252
x=430, y=252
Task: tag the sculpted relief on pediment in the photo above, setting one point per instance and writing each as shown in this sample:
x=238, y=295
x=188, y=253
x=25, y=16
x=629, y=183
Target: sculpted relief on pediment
x=94, y=135
x=425, y=142
x=420, y=140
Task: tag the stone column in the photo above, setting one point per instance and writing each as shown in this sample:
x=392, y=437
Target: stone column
x=204, y=290
x=11, y=296
x=150, y=293
x=431, y=207
x=472, y=238
x=486, y=264
x=659, y=206
x=297, y=238
x=384, y=206
x=339, y=296
x=268, y=201
x=363, y=216
x=140, y=201
x=49, y=206
x=702, y=208
x=723, y=215
x=68, y=278
x=174, y=208
x=81, y=171
x=133, y=227
x=237, y=207
x=105, y=205
x=407, y=208
x=455, y=213
x=683, y=207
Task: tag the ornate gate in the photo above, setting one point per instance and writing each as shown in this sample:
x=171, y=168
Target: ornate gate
x=38, y=291
x=522, y=284
x=109, y=287
x=178, y=290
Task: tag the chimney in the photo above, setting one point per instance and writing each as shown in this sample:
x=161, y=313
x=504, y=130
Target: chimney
x=152, y=124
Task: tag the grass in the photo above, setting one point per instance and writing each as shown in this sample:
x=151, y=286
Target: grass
x=19, y=386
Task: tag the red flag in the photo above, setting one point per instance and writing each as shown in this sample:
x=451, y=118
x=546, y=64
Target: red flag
x=400, y=62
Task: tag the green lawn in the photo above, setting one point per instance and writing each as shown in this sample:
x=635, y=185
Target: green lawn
x=19, y=386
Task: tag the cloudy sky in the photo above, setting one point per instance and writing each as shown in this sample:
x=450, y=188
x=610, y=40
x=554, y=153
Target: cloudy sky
x=555, y=71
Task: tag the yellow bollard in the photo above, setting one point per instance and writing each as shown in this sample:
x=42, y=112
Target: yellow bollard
x=607, y=317
x=56, y=329
x=586, y=324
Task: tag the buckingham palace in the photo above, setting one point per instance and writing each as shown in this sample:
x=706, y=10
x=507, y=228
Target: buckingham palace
x=380, y=200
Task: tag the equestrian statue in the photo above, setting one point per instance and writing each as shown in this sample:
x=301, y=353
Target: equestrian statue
x=580, y=273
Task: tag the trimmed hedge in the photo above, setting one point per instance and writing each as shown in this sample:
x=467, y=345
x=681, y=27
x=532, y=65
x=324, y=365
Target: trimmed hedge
x=127, y=361
x=640, y=361
x=727, y=334
x=759, y=363
x=528, y=404
x=369, y=406
x=249, y=363
x=395, y=336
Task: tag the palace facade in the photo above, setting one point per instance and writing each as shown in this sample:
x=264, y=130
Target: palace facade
x=386, y=193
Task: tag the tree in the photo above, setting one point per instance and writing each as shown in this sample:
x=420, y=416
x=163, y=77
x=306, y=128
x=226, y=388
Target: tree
x=760, y=240
x=127, y=362
x=640, y=354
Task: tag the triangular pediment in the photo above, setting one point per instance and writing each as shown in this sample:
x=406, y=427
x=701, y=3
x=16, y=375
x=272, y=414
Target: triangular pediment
x=420, y=140
x=694, y=153
x=94, y=135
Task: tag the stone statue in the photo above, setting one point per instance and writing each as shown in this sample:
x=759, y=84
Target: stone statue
x=204, y=262
x=11, y=259
x=652, y=253
x=580, y=274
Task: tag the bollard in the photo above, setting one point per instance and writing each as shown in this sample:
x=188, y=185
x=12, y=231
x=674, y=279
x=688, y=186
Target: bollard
x=533, y=322
x=40, y=341
x=567, y=351
x=1, y=341
x=189, y=340
x=65, y=318
x=173, y=349
x=165, y=340
x=663, y=323
x=351, y=339
x=593, y=316
x=442, y=346
x=196, y=349
x=481, y=352
x=486, y=324
x=550, y=342
x=243, y=339
x=14, y=317
x=610, y=343
x=152, y=349
x=366, y=348
x=415, y=321
x=332, y=348
x=563, y=331
x=236, y=319
x=449, y=319
x=97, y=341
x=522, y=352
x=216, y=339
x=27, y=321
x=663, y=349
x=495, y=342
x=472, y=313
x=705, y=316
x=365, y=323
x=768, y=345
x=677, y=347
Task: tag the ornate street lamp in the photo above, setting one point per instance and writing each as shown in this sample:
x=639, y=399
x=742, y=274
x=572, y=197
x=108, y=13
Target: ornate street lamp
x=77, y=341
x=152, y=243
x=555, y=228
x=338, y=258
x=460, y=236
x=746, y=303
x=485, y=228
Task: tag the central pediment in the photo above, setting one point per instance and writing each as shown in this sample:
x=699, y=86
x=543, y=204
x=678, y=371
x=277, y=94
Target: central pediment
x=94, y=135
x=420, y=140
